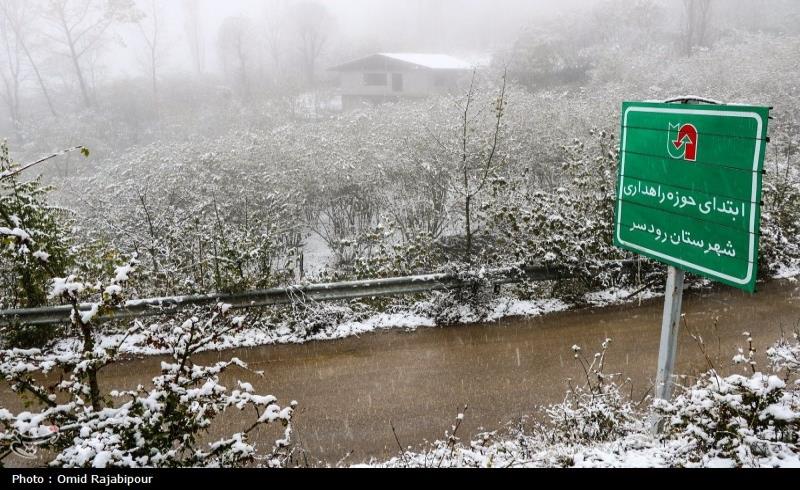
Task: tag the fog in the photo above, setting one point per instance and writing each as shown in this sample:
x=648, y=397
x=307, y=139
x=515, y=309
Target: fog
x=136, y=40
x=328, y=128
x=354, y=27
x=358, y=26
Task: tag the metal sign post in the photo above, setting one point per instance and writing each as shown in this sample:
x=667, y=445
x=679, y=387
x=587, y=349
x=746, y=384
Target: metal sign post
x=689, y=196
x=670, y=323
x=670, y=327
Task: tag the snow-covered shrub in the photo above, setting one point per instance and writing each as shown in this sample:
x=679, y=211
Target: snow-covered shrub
x=569, y=226
x=37, y=243
x=736, y=417
x=414, y=255
x=84, y=425
x=306, y=318
x=470, y=304
x=440, y=454
x=34, y=238
x=785, y=355
x=780, y=223
x=597, y=410
x=201, y=219
x=343, y=213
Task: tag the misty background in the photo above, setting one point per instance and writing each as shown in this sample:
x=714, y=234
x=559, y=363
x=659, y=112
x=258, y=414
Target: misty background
x=60, y=57
x=217, y=132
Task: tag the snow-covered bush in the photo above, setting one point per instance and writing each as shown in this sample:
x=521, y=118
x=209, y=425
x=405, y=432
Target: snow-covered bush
x=34, y=238
x=569, y=226
x=201, y=219
x=785, y=355
x=85, y=425
x=306, y=318
x=596, y=410
x=738, y=417
x=741, y=418
x=780, y=226
x=37, y=243
x=417, y=254
x=470, y=304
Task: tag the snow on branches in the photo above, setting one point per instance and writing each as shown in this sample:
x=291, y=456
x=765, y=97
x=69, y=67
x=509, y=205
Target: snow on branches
x=162, y=425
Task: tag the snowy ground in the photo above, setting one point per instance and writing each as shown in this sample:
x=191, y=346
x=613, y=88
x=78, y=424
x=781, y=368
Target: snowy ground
x=283, y=334
x=639, y=450
x=785, y=272
x=316, y=255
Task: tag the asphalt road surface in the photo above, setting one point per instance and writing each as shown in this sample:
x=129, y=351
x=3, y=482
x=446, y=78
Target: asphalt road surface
x=351, y=391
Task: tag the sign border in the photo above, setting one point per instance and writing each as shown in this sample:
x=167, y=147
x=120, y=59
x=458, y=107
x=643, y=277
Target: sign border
x=754, y=191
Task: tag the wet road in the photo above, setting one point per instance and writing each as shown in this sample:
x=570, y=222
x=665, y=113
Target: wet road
x=350, y=391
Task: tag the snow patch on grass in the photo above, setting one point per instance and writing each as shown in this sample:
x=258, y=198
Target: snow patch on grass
x=261, y=335
x=507, y=307
x=614, y=296
x=790, y=272
x=639, y=450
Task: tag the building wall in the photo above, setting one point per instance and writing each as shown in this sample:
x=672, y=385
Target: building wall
x=416, y=83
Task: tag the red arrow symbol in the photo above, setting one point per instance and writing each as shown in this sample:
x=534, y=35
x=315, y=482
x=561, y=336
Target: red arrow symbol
x=687, y=136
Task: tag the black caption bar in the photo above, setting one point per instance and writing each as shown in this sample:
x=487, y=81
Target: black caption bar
x=218, y=479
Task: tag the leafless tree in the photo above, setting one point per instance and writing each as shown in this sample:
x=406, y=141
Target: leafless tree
x=19, y=18
x=193, y=27
x=474, y=154
x=80, y=27
x=696, y=21
x=312, y=24
x=235, y=43
x=274, y=36
x=150, y=28
x=10, y=70
x=476, y=168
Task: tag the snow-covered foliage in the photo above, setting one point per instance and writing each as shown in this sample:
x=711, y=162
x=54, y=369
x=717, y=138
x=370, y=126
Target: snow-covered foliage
x=785, y=355
x=161, y=425
x=738, y=418
x=207, y=224
x=569, y=226
x=520, y=449
x=380, y=185
x=596, y=410
x=742, y=419
x=34, y=239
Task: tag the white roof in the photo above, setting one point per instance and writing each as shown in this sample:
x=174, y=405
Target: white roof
x=434, y=61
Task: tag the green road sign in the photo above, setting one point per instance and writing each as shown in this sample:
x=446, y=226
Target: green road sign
x=689, y=187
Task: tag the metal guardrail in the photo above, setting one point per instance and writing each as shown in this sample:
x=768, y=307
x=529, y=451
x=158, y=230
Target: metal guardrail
x=280, y=296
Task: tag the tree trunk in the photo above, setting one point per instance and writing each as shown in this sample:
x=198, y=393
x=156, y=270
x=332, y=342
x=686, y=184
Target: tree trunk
x=468, y=229
x=88, y=347
x=87, y=101
x=39, y=79
x=156, y=105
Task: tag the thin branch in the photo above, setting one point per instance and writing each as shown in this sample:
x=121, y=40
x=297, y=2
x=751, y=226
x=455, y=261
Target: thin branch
x=397, y=440
x=12, y=173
